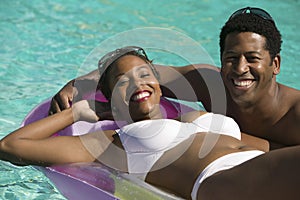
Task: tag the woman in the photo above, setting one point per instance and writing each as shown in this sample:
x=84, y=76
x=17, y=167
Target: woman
x=176, y=155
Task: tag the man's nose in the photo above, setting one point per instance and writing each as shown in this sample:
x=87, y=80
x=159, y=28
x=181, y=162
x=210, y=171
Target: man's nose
x=241, y=66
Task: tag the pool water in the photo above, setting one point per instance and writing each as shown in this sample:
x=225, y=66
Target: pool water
x=44, y=43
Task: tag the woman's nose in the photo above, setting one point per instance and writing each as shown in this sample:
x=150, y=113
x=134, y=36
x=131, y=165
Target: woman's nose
x=136, y=82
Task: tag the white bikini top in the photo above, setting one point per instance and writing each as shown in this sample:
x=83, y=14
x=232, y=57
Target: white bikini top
x=146, y=141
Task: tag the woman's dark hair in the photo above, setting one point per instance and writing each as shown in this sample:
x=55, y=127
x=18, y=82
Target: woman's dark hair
x=249, y=22
x=103, y=84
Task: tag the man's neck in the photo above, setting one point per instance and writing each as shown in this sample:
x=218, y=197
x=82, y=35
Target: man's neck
x=262, y=108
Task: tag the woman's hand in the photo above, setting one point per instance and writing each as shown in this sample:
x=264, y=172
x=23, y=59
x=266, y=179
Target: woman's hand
x=83, y=112
x=91, y=111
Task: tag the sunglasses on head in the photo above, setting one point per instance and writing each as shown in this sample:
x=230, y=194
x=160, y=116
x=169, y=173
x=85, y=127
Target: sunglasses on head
x=110, y=57
x=257, y=11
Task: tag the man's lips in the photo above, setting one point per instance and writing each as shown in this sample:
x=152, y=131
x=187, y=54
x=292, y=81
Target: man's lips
x=243, y=83
x=140, y=96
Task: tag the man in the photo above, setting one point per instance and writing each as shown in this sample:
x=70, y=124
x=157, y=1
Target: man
x=250, y=45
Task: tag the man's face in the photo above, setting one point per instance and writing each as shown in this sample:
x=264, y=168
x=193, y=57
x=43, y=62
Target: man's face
x=247, y=69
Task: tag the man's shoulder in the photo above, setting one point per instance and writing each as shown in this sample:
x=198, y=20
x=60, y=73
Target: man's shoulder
x=296, y=105
x=290, y=91
x=291, y=96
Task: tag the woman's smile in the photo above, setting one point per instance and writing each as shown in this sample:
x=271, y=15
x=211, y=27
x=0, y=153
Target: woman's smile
x=140, y=96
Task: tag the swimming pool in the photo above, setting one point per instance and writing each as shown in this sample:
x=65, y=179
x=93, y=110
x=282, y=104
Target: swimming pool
x=44, y=44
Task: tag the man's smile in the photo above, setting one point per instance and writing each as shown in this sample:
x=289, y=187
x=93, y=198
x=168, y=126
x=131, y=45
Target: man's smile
x=243, y=83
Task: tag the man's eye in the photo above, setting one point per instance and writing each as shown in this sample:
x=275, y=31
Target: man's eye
x=231, y=58
x=253, y=58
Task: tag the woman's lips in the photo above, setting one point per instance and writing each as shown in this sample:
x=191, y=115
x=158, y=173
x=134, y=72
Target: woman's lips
x=140, y=96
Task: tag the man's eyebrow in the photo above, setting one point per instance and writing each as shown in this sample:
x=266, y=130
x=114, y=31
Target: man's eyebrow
x=247, y=52
x=255, y=52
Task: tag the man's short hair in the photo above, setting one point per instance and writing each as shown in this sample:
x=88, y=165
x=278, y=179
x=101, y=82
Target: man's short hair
x=250, y=22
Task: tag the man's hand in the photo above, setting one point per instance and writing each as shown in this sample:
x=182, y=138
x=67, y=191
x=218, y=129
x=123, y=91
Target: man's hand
x=63, y=99
x=73, y=91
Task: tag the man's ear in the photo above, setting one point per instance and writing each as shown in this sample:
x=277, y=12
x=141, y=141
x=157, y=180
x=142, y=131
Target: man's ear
x=276, y=64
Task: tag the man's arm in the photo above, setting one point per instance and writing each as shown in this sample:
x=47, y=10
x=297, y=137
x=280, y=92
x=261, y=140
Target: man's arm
x=200, y=82
x=74, y=90
x=256, y=142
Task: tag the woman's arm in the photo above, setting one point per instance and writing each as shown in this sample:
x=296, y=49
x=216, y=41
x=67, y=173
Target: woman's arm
x=34, y=144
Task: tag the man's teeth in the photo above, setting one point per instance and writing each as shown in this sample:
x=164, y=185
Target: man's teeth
x=140, y=96
x=242, y=83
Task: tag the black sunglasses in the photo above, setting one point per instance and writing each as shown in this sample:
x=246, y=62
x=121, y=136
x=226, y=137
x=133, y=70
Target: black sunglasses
x=257, y=11
x=110, y=57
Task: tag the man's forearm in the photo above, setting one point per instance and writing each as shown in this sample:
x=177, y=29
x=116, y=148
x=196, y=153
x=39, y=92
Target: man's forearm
x=93, y=75
x=198, y=82
x=87, y=83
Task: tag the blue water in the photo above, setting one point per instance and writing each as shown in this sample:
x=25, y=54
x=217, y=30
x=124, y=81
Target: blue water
x=44, y=43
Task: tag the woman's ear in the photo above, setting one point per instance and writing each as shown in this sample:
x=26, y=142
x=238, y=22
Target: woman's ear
x=276, y=64
x=160, y=92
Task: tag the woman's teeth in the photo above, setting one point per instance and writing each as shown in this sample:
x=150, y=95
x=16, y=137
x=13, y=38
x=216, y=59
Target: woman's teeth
x=140, y=96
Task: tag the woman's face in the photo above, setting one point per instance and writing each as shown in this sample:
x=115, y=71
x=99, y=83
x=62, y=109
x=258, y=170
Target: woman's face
x=135, y=90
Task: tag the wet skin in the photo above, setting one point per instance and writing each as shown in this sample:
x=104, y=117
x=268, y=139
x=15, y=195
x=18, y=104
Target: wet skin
x=135, y=90
x=134, y=85
x=261, y=106
x=247, y=69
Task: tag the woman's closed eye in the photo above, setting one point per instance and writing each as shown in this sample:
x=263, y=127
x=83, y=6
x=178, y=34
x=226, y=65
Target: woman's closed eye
x=143, y=72
x=122, y=81
x=144, y=75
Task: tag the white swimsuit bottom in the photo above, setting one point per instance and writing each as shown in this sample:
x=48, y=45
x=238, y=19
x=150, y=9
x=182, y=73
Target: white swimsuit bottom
x=225, y=162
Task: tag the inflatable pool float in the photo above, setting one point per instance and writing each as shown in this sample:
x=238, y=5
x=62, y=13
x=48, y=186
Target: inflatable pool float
x=94, y=180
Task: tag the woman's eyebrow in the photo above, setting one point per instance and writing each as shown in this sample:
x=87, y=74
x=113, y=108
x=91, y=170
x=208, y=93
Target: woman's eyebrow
x=145, y=66
x=119, y=75
x=141, y=67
